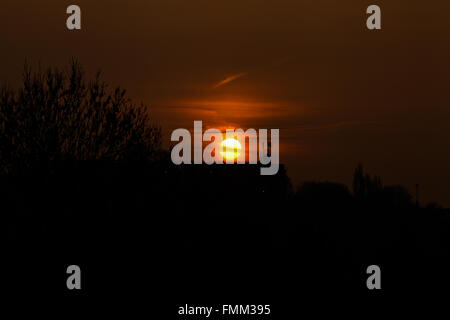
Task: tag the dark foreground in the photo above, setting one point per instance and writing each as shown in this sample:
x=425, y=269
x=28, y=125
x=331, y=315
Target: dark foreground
x=152, y=237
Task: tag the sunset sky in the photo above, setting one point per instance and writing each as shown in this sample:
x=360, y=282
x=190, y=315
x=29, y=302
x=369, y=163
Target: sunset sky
x=339, y=93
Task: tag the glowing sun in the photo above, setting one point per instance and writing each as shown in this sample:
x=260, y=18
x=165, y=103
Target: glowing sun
x=231, y=149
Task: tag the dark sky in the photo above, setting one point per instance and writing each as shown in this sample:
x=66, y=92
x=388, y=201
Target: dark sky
x=340, y=94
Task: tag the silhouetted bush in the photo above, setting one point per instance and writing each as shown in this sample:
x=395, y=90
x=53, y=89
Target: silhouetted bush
x=60, y=115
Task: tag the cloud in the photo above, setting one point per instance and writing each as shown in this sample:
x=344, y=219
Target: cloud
x=338, y=125
x=229, y=79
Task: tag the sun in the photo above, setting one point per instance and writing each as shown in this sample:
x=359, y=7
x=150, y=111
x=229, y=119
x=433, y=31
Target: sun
x=231, y=148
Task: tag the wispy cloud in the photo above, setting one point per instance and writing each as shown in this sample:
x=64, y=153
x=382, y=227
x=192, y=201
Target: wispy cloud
x=229, y=79
x=337, y=125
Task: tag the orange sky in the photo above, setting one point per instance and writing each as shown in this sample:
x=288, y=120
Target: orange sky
x=339, y=93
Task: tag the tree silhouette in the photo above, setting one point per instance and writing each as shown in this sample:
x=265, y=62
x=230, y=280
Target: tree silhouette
x=60, y=115
x=364, y=186
x=359, y=183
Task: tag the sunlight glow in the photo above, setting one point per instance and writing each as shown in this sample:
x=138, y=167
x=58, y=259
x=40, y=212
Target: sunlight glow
x=231, y=149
